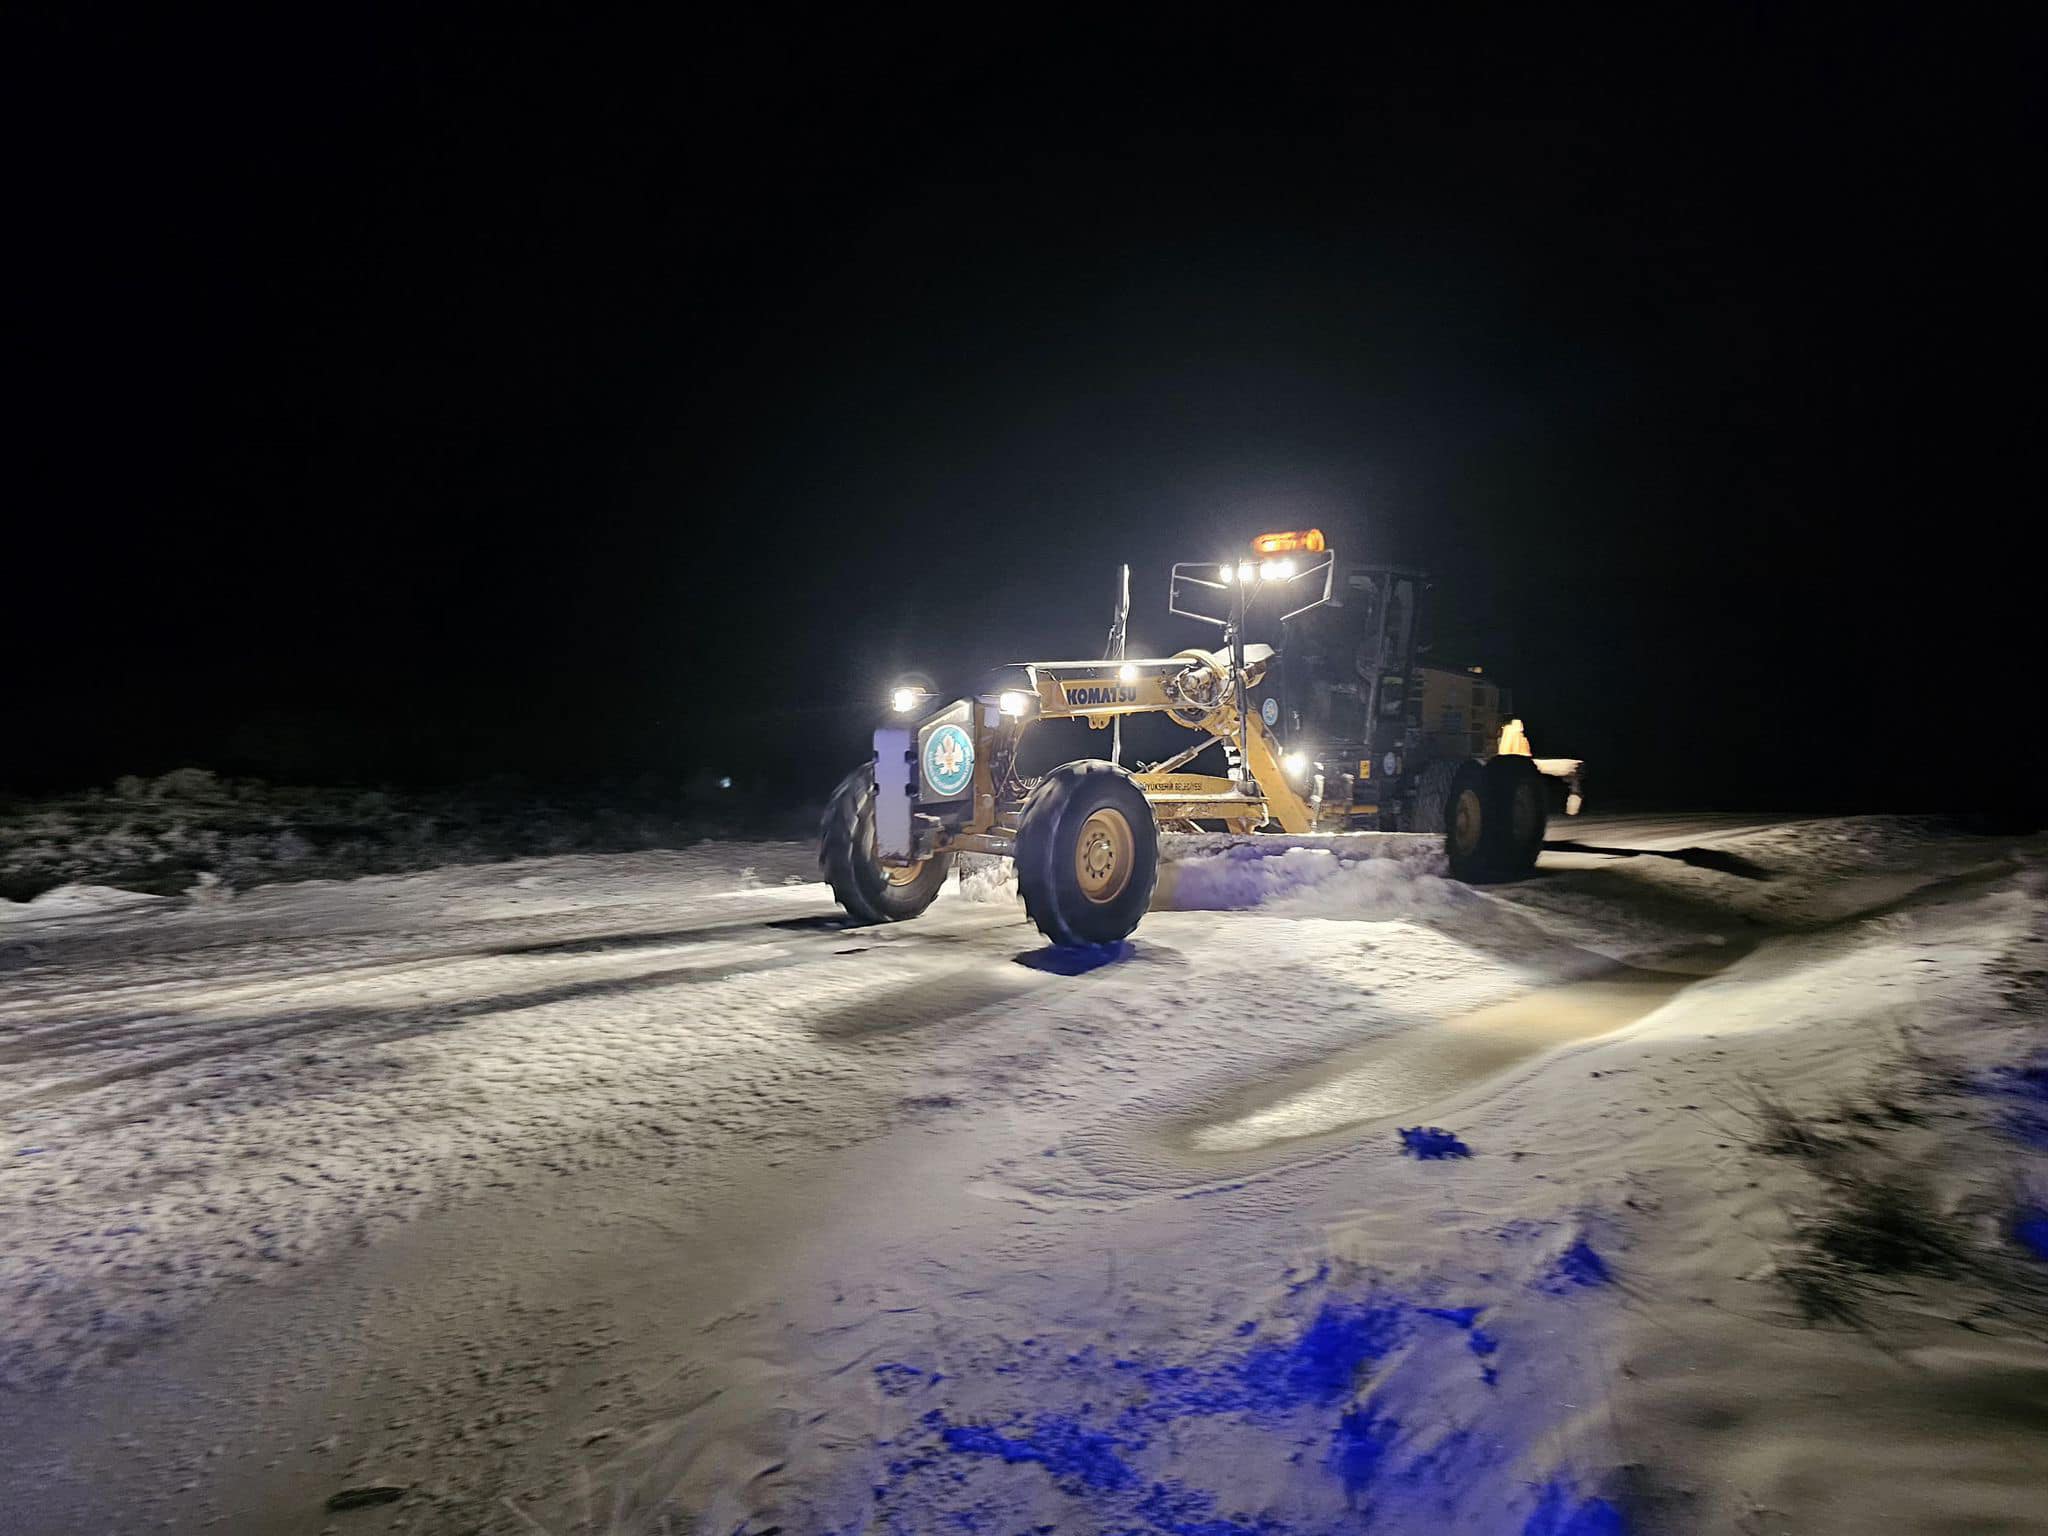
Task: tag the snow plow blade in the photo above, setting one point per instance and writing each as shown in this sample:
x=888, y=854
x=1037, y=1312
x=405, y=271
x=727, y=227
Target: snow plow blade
x=1420, y=853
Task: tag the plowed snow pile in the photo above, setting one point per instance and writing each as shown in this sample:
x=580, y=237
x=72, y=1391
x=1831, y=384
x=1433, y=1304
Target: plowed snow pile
x=1698, y=1183
x=1309, y=882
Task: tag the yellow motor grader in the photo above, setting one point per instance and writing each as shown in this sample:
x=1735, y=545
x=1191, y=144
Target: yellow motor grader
x=1339, y=736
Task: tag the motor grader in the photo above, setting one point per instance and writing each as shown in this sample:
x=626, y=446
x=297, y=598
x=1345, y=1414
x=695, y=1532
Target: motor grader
x=1340, y=736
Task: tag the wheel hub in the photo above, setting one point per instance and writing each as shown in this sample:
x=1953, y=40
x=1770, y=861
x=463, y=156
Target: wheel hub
x=1465, y=820
x=1103, y=855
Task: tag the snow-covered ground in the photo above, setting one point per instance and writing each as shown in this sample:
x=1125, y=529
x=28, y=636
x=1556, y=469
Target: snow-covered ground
x=636, y=1193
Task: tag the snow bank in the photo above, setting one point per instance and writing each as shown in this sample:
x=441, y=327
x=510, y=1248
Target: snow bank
x=74, y=901
x=983, y=877
x=161, y=836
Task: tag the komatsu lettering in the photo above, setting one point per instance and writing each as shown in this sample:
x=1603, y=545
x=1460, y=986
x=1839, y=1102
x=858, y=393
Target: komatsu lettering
x=1099, y=693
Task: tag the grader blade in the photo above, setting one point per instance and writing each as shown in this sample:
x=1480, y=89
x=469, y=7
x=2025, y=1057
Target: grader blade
x=1206, y=859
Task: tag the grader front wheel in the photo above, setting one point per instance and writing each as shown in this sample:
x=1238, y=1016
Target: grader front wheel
x=870, y=891
x=1087, y=854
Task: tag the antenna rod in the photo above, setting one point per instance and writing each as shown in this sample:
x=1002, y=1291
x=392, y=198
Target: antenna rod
x=1116, y=653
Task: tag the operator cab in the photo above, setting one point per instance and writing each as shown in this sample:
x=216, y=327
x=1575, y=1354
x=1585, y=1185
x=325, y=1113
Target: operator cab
x=1347, y=667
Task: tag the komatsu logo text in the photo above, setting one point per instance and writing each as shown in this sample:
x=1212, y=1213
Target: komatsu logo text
x=1080, y=695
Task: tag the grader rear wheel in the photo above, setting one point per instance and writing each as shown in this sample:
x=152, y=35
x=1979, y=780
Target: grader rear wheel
x=1432, y=797
x=1468, y=834
x=1518, y=801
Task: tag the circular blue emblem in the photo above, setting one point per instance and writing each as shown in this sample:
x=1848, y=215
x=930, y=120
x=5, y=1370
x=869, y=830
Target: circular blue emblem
x=948, y=760
x=1269, y=711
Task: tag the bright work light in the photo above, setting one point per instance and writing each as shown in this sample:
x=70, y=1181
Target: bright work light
x=1013, y=702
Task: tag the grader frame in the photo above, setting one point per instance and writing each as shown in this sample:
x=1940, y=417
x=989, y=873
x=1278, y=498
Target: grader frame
x=1204, y=692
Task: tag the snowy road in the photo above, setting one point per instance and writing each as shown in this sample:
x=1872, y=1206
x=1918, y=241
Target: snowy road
x=636, y=1193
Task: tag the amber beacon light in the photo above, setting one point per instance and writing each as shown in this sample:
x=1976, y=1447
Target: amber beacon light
x=1305, y=542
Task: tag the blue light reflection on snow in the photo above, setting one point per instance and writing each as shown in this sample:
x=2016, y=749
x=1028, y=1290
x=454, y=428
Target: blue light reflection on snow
x=1347, y=1412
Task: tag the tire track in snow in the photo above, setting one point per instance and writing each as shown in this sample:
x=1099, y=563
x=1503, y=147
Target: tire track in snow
x=765, y=946
x=124, y=999
x=147, y=1004
x=398, y=1024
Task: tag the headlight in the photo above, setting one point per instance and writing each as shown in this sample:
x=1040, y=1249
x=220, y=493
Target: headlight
x=1296, y=764
x=1277, y=570
x=1013, y=703
x=903, y=700
x=1127, y=673
x=1246, y=571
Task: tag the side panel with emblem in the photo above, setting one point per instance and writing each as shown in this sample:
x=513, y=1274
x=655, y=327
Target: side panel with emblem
x=945, y=756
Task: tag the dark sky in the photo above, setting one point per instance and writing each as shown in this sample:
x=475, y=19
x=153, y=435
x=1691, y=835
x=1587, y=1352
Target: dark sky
x=412, y=400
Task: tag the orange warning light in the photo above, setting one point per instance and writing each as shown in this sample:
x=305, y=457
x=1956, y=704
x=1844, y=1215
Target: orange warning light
x=1308, y=541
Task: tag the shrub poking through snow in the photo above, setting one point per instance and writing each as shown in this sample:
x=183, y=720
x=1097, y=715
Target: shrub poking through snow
x=1430, y=1142
x=157, y=836
x=1820, y=1292
x=1877, y=1223
x=1781, y=1133
x=1888, y=1226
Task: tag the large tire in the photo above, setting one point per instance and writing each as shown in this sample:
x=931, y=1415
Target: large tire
x=1432, y=795
x=1518, y=814
x=1468, y=830
x=1087, y=854
x=871, y=892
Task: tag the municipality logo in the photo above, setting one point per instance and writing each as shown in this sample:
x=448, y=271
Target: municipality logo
x=948, y=759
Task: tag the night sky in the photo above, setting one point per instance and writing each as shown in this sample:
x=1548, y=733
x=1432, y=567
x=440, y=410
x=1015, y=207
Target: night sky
x=410, y=400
